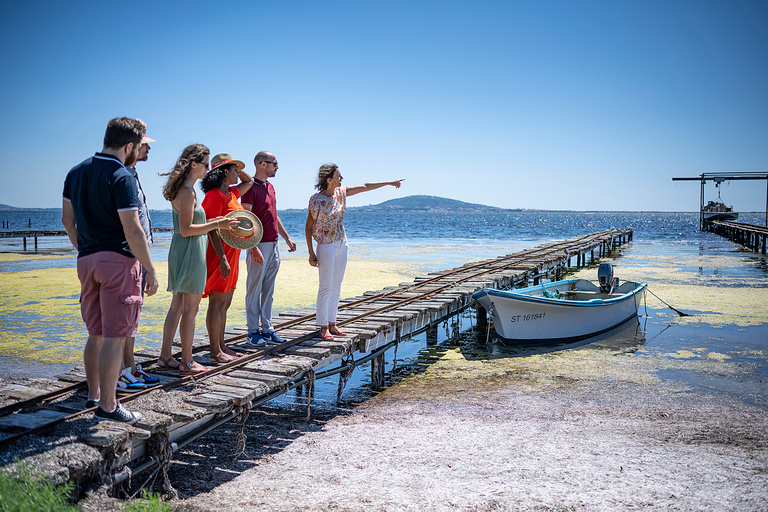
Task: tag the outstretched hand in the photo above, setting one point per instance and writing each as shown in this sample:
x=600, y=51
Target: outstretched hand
x=396, y=183
x=226, y=222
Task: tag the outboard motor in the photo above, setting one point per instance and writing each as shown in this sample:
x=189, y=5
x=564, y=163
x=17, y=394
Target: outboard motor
x=605, y=277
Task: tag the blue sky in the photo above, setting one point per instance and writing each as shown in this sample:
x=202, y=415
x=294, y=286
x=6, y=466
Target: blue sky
x=577, y=105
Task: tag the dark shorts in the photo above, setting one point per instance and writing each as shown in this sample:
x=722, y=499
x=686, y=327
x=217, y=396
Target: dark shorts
x=110, y=294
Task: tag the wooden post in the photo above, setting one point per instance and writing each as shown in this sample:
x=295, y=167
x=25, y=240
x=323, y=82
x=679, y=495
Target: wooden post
x=482, y=317
x=377, y=372
x=432, y=335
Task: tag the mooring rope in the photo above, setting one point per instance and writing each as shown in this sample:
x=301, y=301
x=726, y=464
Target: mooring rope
x=243, y=412
x=670, y=307
x=310, y=385
x=159, y=446
x=344, y=375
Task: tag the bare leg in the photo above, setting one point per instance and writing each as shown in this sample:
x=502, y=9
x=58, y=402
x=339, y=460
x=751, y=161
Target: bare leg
x=215, y=321
x=170, y=325
x=190, y=303
x=222, y=345
x=128, y=360
x=110, y=364
x=91, y=361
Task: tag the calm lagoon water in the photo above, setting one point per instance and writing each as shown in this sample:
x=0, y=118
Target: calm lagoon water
x=703, y=263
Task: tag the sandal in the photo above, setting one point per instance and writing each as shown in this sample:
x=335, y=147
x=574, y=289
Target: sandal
x=188, y=369
x=337, y=332
x=327, y=336
x=167, y=365
x=221, y=358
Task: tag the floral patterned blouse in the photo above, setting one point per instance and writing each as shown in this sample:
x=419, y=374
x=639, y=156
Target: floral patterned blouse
x=328, y=214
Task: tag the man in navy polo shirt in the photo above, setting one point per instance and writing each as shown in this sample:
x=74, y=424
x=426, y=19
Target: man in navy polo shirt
x=263, y=261
x=100, y=215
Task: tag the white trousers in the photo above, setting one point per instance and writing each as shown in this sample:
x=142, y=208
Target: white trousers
x=260, y=287
x=331, y=263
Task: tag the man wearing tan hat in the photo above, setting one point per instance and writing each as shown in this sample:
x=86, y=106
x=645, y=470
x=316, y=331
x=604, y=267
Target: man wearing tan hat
x=263, y=261
x=133, y=378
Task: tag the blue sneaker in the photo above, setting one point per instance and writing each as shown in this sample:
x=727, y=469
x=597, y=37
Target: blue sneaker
x=273, y=337
x=254, y=338
x=127, y=383
x=144, y=377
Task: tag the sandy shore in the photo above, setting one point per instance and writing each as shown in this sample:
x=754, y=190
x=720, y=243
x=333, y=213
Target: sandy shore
x=609, y=425
x=589, y=428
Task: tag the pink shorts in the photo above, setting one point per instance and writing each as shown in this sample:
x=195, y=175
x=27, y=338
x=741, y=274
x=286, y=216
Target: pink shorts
x=110, y=293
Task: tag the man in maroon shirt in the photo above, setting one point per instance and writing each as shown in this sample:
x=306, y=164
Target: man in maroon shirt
x=263, y=261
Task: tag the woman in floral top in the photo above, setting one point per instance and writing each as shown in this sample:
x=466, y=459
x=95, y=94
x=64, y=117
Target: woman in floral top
x=325, y=223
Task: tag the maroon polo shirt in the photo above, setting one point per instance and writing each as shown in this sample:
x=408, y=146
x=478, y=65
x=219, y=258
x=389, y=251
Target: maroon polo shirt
x=261, y=197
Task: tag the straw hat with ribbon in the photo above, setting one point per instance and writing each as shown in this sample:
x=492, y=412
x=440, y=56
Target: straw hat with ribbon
x=245, y=235
x=226, y=159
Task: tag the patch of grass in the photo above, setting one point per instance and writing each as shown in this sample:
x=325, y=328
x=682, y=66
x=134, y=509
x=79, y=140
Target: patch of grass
x=25, y=490
x=149, y=502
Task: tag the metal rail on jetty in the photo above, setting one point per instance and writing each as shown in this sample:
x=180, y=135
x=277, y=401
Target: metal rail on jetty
x=183, y=408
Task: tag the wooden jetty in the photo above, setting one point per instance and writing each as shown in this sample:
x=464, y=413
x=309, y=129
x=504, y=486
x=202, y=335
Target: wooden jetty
x=747, y=235
x=41, y=233
x=77, y=448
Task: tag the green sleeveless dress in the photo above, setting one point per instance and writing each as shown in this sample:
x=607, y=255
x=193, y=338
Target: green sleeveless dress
x=186, y=257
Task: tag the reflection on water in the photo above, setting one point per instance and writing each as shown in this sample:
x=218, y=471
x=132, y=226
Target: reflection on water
x=622, y=338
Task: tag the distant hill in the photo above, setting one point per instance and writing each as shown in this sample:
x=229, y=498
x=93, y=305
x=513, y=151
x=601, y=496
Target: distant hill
x=5, y=207
x=427, y=203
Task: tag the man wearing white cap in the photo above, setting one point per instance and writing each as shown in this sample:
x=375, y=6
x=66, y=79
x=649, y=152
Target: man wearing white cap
x=133, y=378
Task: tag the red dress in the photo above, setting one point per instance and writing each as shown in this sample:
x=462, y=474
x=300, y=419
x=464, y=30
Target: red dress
x=217, y=204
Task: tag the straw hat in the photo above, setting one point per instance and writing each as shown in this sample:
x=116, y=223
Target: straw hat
x=226, y=159
x=248, y=234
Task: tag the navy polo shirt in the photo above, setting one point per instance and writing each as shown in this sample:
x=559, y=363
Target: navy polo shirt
x=98, y=189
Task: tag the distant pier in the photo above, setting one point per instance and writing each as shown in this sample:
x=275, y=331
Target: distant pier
x=747, y=235
x=45, y=425
x=41, y=233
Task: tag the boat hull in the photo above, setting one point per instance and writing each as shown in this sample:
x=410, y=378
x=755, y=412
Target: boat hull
x=729, y=216
x=529, y=314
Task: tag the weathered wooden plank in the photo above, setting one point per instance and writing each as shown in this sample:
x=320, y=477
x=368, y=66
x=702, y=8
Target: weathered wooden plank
x=271, y=381
x=30, y=420
x=239, y=395
x=19, y=392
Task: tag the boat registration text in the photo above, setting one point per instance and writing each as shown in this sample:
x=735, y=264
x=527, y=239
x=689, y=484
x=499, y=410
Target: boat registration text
x=526, y=318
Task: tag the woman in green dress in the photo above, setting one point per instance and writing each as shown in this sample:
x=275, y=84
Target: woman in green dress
x=186, y=257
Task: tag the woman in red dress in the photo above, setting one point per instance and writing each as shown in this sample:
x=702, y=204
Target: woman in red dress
x=221, y=193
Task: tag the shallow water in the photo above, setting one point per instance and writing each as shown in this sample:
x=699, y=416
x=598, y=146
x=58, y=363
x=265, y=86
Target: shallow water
x=722, y=348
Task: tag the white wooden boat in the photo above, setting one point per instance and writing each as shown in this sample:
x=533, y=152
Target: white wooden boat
x=561, y=310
